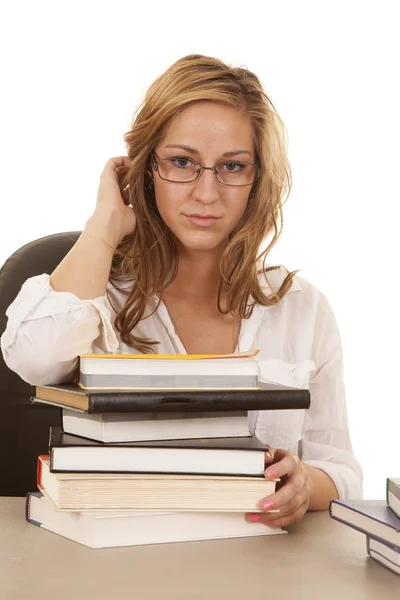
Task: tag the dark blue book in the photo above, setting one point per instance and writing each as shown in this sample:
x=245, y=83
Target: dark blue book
x=372, y=517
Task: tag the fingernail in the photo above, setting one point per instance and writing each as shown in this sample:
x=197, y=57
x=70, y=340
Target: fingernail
x=254, y=518
x=270, y=474
x=267, y=505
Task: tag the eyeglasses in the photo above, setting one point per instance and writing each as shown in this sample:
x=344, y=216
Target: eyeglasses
x=181, y=169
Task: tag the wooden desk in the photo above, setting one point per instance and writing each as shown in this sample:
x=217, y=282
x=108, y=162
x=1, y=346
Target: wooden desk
x=318, y=559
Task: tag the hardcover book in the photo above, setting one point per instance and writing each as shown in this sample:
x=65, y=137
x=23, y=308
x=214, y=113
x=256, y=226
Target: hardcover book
x=269, y=396
x=372, y=517
x=105, y=529
x=386, y=555
x=168, y=371
x=393, y=494
x=145, y=491
x=211, y=456
x=134, y=427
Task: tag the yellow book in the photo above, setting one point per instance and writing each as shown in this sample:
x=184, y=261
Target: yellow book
x=169, y=371
x=247, y=353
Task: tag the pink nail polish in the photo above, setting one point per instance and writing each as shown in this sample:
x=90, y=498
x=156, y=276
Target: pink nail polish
x=271, y=474
x=267, y=505
x=254, y=518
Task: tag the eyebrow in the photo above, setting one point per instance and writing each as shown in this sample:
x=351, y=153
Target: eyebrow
x=194, y=151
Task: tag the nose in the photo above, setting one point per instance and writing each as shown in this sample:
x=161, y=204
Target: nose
x=206, y=187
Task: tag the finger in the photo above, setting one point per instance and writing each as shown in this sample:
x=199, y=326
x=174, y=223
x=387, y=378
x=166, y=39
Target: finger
x=296, y=485
x=113, y=164
x=281, y=467
x=259, y=518
x=286, y=509
x=290, y=519
x=268, y=457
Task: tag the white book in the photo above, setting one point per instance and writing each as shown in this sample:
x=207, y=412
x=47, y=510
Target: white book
x=133, y=528
x=222, y=456
x=136, y=427
x=385, y=554
x=156, y=371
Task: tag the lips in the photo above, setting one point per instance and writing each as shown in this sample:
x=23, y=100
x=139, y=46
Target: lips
x=202, y=220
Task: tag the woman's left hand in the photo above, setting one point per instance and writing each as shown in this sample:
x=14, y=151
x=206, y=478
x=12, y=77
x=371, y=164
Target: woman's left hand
x=293, y=492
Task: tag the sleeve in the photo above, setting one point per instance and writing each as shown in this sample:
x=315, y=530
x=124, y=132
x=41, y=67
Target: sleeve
x=47, y=330
x=326, y=442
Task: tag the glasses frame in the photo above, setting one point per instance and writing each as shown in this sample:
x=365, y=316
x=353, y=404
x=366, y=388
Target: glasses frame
x=156, y=160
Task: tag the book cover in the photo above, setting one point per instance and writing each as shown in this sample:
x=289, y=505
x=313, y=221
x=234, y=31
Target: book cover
x=384, y=554
x=268, y=396
x=207, y=456
x=148, y=491
x=106, y=529
x=393, y=494
x=371, y=517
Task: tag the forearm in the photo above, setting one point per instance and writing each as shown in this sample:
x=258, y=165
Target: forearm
x=323, y=490
x=86, y=268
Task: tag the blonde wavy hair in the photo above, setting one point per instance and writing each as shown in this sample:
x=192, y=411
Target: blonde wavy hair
x=149, y=256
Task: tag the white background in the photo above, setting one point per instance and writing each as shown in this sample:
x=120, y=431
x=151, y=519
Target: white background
x=73, y=72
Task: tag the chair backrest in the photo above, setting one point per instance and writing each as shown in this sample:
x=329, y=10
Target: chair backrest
x=24, y=427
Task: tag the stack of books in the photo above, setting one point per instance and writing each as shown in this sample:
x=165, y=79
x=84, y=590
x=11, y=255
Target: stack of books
x=156, y=449
x=379, y=520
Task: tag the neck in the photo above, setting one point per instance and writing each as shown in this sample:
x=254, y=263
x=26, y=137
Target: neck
x=198, y=273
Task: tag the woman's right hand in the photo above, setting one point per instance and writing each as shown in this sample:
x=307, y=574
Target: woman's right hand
x=112, y=218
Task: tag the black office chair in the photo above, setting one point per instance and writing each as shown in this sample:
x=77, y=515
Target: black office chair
x=24, y=427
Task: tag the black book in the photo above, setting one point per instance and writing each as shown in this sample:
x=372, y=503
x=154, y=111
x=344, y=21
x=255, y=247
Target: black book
x=239, y=456
x=268, y=396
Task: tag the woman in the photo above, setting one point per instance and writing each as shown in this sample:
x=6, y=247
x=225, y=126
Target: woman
x=187, y=210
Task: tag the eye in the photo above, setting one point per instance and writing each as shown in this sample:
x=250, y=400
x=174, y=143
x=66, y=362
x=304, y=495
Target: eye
x=181, y=162
x=232, y=167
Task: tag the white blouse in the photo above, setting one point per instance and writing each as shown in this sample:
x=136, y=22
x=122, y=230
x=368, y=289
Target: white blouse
x=299, y=346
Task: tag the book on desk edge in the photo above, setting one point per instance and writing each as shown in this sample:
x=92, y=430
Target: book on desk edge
x=384, y=554
x=268, y=396
x=371, y=517
x=106, y=529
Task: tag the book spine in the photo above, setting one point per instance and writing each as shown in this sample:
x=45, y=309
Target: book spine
x=134, y=402
x=39, y=471
x=28, y=509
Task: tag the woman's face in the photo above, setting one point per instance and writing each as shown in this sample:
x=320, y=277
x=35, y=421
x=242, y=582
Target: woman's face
x=203, y=213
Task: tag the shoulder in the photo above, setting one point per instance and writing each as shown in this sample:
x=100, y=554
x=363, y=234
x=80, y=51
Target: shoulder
x=117, y=293
x=303, y=300
x=271, y=279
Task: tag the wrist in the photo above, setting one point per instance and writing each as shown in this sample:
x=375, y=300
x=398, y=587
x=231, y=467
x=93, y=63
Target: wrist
x=322, y=488
x=103, y=228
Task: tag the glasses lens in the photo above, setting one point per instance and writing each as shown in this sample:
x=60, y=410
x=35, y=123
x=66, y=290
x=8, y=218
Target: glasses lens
x=178, y=169
x=236, y=173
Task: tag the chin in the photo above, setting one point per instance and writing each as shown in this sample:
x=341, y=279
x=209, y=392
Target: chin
x=201, y=241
